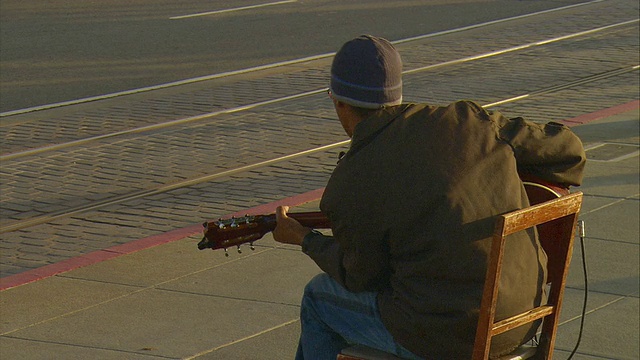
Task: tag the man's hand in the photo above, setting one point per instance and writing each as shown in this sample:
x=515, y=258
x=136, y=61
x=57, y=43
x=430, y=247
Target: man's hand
x=288, y=230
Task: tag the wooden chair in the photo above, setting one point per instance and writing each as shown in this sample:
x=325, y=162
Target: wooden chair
x=555, y=215
x=556, y=221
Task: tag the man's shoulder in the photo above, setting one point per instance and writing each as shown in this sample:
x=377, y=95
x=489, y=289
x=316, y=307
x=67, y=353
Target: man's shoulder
x=458, y=105
x=468, y=105
x=454, y=110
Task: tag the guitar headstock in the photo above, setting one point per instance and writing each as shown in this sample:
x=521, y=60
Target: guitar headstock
x=223, y=234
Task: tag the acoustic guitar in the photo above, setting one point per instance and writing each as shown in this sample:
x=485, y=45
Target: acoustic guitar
x=223, y=234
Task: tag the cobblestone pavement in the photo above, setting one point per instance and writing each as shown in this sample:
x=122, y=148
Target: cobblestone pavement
x=233, y=122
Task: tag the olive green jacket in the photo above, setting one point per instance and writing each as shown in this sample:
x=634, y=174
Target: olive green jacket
x=412, y=206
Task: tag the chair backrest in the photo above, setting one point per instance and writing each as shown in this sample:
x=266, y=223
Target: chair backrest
x=556, y=220
x=539, y=192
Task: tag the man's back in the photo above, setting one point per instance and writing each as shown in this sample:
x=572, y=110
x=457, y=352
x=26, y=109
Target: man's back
x=412, y=205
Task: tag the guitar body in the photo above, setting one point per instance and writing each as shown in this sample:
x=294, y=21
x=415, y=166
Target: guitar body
x=223, y=234
x=538, y=192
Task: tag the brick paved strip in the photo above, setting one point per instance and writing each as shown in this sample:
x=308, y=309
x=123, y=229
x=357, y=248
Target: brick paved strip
x=155, y=240
x=141, y=244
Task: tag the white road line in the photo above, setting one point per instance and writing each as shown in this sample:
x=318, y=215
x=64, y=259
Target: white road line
x=520, y=47
x=230, y=10
x=164, y=86
x=474, y=26
x=616, y=159
x=202, y=353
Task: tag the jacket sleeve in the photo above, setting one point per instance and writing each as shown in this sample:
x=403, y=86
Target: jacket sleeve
x=325, y=252
x=550, y=152
x=355, y=265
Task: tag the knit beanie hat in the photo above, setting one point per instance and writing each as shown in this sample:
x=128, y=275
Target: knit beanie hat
x=367, y=73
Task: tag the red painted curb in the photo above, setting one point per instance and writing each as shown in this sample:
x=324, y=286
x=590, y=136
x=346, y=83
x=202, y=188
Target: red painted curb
x=155, y=240
x=586, y=118
x=144, y=243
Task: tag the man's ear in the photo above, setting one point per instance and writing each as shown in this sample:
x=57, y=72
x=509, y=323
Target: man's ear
x=341, y=104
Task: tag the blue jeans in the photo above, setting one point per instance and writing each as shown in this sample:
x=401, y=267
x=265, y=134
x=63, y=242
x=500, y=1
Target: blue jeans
x=333, y=318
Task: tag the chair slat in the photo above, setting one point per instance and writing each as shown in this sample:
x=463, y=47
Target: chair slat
x=521, y=319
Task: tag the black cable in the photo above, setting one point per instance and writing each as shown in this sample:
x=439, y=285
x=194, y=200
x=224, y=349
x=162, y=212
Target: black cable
x=582, y=231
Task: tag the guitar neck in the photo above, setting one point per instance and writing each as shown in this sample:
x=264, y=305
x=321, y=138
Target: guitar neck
x=314, y=219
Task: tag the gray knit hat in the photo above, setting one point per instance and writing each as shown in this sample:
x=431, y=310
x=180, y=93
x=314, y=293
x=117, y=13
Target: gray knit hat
x=367, y=73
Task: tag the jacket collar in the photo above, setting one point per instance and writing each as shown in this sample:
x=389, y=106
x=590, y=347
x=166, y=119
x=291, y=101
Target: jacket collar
x=376, y=123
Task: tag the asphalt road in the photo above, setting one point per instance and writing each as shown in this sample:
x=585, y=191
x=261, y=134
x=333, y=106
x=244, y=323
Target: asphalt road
x=64, y=50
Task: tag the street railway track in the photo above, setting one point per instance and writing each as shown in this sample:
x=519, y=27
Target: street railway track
x=89, y=212
x=190, y=182
x=208, y=116
x=268, y=66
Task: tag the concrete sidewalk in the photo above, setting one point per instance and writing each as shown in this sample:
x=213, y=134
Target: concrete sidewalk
x=172, y=301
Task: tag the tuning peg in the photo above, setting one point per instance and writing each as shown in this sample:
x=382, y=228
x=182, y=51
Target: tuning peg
x=251, y=246
x=239, y=250
x=226, y=253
